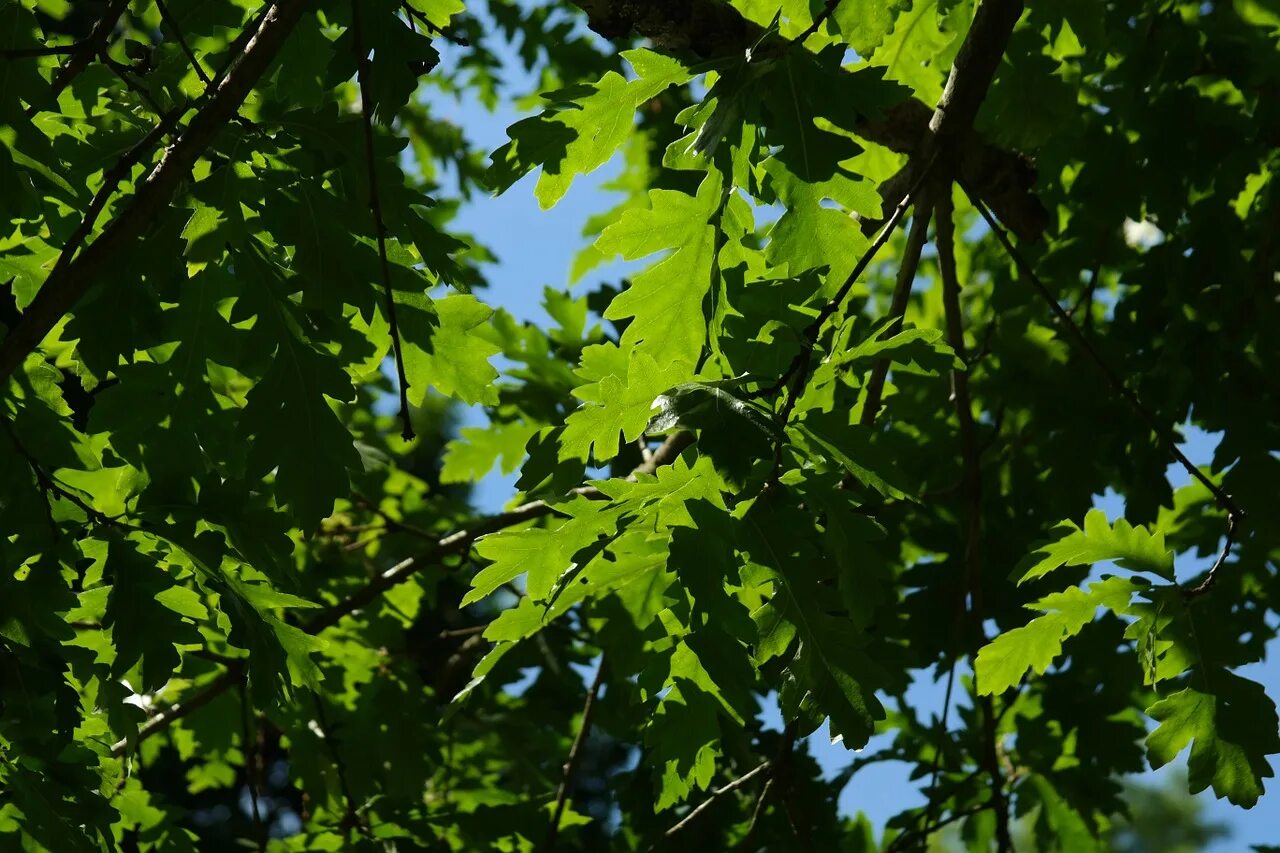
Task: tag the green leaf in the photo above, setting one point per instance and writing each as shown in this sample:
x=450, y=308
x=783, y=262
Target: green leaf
x=1003, y=662
x=584, y=128
x=1130, y=547
x=851, y=448
x=1231, y=731
x=830, y=666
x=446, y=351
x=665, y=302
x=470, y=457
x=616, y=407
x=144, y=611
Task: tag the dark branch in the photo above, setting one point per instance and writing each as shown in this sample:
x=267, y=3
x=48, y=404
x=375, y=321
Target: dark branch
x=455, y=543
x=1212, y=578
x=110, y=180
x=363, y=73
x=63, y=288
x=182, y=42
x=1112, y=378
x=575, y=754
x=710, y=800
x=90, y=47
x=170, y=715
x=818, y=20
x=897, y=309
x=972, y=489
x=46, y=50
x=911, y=840
x=711, y=29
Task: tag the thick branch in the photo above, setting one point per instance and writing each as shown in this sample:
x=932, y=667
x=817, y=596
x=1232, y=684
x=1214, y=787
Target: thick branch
x=63, y=288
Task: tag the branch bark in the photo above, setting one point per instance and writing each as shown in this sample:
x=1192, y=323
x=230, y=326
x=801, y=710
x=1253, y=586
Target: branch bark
x=972, y=492
x=63, y=288
x=897, y=308
x=575, y=754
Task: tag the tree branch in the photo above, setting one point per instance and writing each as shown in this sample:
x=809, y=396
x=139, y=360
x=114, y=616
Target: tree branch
x=818, y=20
x=456, y=542
x=897, y=309
x=63, y=288
x=575, y=754
x=363, y=72
x=901, y=842
x=44, y=50
x=712, y=29
x=972, y=490
x=170, y=715
x=711, y=798
x=1117, y=384
x=182, y=42
x=90, y=47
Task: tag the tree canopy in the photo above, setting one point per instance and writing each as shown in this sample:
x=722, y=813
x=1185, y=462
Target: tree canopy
x=914, y=283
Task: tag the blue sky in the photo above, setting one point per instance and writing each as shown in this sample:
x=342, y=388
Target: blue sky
x=534, y=249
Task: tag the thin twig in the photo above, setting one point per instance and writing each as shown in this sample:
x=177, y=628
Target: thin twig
x=252, y=762
x=90, y=47
x=800, y=362
x=363, y=72
x=972, y=489
x=444, y=32
x=818, y=20
x=1212, y=578
x=575, y=754
x=182, y=42
x=45, y=50
x=711, y=798
x=757, y=811
x=49, y=484
x=458, y=542
x=901, y=842
x=897, y=309
x=351, y=819
x=1117, y=384
x=936, y=769
x=123, y=71
x=1086, y=298
x=170, y=715
x=776, y=767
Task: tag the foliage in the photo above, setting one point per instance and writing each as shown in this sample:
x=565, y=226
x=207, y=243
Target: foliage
x=919, y=281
